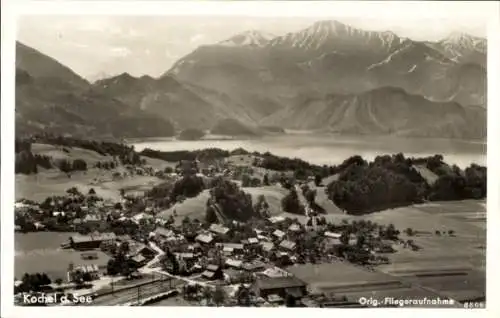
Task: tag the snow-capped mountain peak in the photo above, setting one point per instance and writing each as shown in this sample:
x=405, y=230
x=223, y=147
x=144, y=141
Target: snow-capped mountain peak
x=331, y=34
x=460, y=40
x=249, y=38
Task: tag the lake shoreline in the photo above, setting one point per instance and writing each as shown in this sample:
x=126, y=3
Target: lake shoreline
x=333, y=149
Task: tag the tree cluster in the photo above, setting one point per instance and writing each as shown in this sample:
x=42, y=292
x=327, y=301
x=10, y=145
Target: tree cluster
x=176, y=156
x=388, y=181
x=33, y=282
x=291, y=203
x=301, y=168
x=28, y=163
x=234, y=203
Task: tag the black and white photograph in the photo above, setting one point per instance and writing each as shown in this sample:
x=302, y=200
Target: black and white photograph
x=233, y=160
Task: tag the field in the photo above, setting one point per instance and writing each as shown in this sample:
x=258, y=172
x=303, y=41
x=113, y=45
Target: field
x=354, y=282
x=40, y=252
x=60, y=152
x=194, y=208
x=54, y=182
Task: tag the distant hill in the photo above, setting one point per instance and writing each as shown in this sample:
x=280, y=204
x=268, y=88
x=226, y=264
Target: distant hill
x=329, y=76
x=233, y=127
x=191, y=134
x=184, y=104
x=384, y=111
x=52, y=98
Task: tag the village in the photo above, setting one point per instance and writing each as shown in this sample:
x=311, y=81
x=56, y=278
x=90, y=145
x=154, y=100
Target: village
x=207, y=259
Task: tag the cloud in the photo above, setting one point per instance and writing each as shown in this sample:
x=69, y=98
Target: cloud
x=80, y=45
x=196, y=38
x=120, y=51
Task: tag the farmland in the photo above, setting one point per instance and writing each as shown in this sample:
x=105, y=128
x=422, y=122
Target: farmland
x=50, y=182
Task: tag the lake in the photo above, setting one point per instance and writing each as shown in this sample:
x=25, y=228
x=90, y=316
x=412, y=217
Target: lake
x=333, y=149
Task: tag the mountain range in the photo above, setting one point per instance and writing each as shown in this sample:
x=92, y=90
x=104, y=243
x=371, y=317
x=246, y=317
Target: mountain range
x=52, y=98
x=329, y=77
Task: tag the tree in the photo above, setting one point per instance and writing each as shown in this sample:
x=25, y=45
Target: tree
x=79, y=165
x=243, y=296
x=124, y=248
x=438, y=233
x=245, y=180
x=361, y=239
x=186, y=221
x=219, y=296
x=310, y=195
x=265, y=180
x=409, y=231
x=290, y=203
x=451, y=232
x=91, y=191
x=58, y=281
x=73, y=191
x=344, y=238
x=210, y=215
x=317, y=180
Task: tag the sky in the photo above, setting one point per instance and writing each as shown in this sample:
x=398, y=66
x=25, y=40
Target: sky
x=96, y=46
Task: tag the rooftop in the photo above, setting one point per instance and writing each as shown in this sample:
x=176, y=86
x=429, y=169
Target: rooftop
x=204, y=238
x=332, y=234
x=219, y=229
x=279, y=233
x=289, y=245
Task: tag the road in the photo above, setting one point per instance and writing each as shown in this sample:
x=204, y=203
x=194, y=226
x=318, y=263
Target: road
x=148, y=269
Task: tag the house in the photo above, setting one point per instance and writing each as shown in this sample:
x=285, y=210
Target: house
x=275, y=299
x=163, y=232
x=282, y=286
x=287, y=245
x=218, y=229
x=262, y=237
x=136, y=218
x=267, y=247
x=141, y=249
x=139, y=260
x=91, y=219
x=188, y=258
x=279, y=234
x=294, y=228
x=79, y=242
x=91, y=269
x=332, y=235
x=231, y=247
x=253, y=266
x=332, y=242
x=234, y=263
x=204, y=238
x=253, y=241
x=276, y=219
x=123, y=238
x=213, y=272
x=275, y=272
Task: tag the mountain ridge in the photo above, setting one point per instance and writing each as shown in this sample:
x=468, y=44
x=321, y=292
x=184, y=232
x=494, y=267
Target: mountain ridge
x=52, y=98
